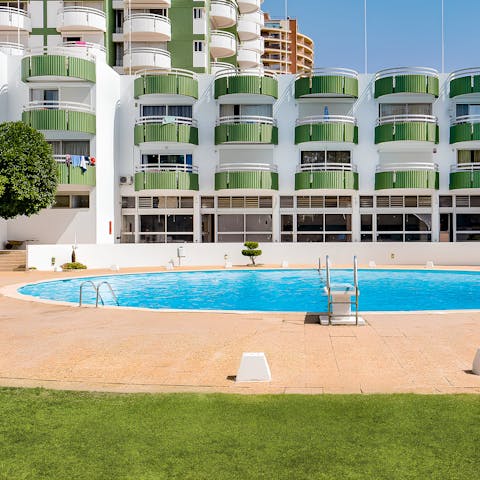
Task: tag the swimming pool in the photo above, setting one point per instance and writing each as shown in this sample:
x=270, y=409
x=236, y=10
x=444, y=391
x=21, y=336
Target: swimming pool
x=273, y=290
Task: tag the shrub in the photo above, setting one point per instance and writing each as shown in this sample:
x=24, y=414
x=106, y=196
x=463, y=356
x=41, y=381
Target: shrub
x=251, y=251
x=73, y=266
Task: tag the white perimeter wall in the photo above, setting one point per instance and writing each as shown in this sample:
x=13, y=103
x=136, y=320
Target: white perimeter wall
x=149, y=255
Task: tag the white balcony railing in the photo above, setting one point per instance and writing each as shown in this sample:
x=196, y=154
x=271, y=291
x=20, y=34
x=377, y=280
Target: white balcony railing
x=219, y=67
x=231, y=71
x=223, y=13
x=165, y=120
x=248, y=58
x=330, y=72
x=147, y=26
x=248, y=30
x=393, y=72
x=257, y=17
x=466, y=119
x=11, y=48
x=85, y=50
x=242, y=119
x=12, y=18
x=222, y=44
x=407, y=166
x=81, y=18
x=465, y=167
x=326, y=167
x=326, y=119
x=406, y=118
x=166, y=167
x=177, y=72
x=57, y=105
x=465, y=72
x=246, y=167
x=142, y=58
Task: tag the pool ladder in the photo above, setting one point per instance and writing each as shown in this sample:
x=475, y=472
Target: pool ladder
x=98, y=295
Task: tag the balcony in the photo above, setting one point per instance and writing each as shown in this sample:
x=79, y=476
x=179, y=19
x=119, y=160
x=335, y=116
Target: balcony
x=58, y=63
x=464, y=82
x=13, y=19
x=223, y=13
x=256, y=176
x=236, y=82
x=248, y=58
x=246, y=130
x=465, y=129
x=326, y=128
x=327, y=82
x=145, y=58
x=411, y=128
x=81, y=19
x=12, y=48
x=249, y=6
x=136, y=4
x=60, y=116
x=407, y=80
x=173, y=82
x=465, y=175
x=166, y=129
x=222, y=44
x=247, y=29
x=69, y=174
x=326, y=176
x=257, y=45
x=147, y=27
x=166, y=177
x=407, y=175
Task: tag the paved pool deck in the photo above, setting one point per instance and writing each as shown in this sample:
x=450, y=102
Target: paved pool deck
x=119, y=350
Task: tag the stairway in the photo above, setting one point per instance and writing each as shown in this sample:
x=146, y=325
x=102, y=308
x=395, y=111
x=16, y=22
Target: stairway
x=13, y=260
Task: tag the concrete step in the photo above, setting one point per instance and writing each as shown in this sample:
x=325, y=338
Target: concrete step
x=13, y=260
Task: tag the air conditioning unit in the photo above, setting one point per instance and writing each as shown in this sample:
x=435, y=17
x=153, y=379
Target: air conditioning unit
x=126, y=180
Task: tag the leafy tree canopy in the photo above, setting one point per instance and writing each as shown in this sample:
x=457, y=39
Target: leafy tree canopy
x=28, y=172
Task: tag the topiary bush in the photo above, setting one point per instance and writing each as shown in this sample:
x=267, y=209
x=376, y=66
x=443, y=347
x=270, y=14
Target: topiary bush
x=73, y=266
x=251, y=251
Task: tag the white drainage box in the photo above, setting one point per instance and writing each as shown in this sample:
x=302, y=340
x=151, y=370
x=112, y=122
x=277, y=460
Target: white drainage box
x=254, y=368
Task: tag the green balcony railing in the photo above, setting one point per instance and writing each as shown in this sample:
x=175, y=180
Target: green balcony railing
x=326, y=128
x=465, y=175
x=251, y=176
x=339, y=82
x=74, y=175
x=413, y=128
x=166, y=129
x=464, y=82
x=465, y=129
x=246, y=129
x=166, y=177
x=236, y=82
x=407, y=175
x=326, y=176
x=173, y=82
x=407, y=80
x=62, y=116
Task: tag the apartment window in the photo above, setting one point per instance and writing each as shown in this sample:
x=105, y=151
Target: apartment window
x=118, y=21
x=71, y=201
x=163, y=12
x=70, y=147
x=167, y=111
x=166, y=228
x=319, y=227
x=388, y=109
x=118, y=54
x=467, y=109
x=244, y=227
x=197, y=15
x=198, y=46
x=50, y=97
x=330, y=156
x=404, y=227
x=174, y=159
x=468, y=156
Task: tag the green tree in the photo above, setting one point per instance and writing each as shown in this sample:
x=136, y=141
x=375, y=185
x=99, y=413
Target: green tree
x=28, y=172
x=251, y=251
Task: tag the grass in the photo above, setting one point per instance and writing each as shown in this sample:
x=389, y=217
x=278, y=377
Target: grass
x=66, y=435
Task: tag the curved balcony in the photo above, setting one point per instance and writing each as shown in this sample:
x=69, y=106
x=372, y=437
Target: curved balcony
x=166, y=177
x=58, y=63
x=249, y=6
x=223, y=13
x=257, y=17
x=327, y=82
x=411, y=128
x=73, y=175
x=60, y=116
x=326, y=128
x=222, y=44
x=150, y=3
x=257, y=45
x=234, y=82
x=465, y=129
x=166, y=129
x=75, y=19
x=12, y=48
x=407, y=80
x=407, y=175
x=465, y=175
x=248, y=29
x=326, y=176
x=246, y=129
x=15, y=19
x=144, y=58
x=464, y=82
x=258, y=176
x=147, y=27
x=248, y=58
x=173, y=82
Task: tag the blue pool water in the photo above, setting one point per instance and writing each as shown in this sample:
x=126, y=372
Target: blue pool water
x=274, y=290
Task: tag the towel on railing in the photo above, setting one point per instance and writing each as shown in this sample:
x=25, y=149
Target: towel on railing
x=76, y=160
x=169, y=119
x=83, y=164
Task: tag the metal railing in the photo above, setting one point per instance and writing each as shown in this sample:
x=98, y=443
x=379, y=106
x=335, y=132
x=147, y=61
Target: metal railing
x=167, y=167
x=326, y=119
x=329, y=72
x=406, y=118
x=98, y=295
x=165, y=120
x=465, y=167
x=326, y=167
x=217, y=67
x=246, y=167
x=12, y=48
x=406, y=167
x=465, y=119
x=77, y=9
x=227, y=3
x=393, y=72
x=150, y=50
x=241, y=119
x=464, y=72
x=14, y=11
x=236, y=72
x=152, y=17
x=56, y=105
x=86, y=50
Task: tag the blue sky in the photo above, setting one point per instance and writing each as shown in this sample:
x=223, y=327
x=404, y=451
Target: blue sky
x=400, y=33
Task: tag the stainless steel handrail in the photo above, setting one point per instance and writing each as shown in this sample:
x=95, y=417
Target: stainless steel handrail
x=392, y=72
x=465, y=167
x=326, y=167
x=165, y=120
x=326, y=119
x=406, y=118
x=465, y=119
x=329, y=72
x=111, y=291
x=464, y=72
x=240, y=119
x=405, y=167
x=166, y=167
x=86, y=282
x=242, y=167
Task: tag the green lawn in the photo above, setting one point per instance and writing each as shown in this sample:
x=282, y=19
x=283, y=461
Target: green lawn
x=65, y=435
